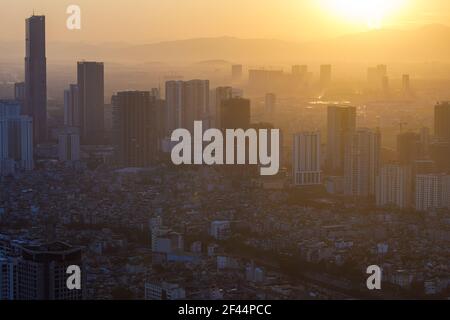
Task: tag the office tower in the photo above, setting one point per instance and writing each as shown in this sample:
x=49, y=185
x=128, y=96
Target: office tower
x=42, y=272
x=271, y=101
x=376, y=76
x=440, y=154
x=362, y=162
x=408, y=147
x=306, y=162
x=16, y=138
x=71, y=107
x=137, y=128
x=299, y=70
x=235, y=114
x=341, y=122
x=91, y=101
x=432, y=192
x=187, y=101
x=36, y=77
x=8, y=278
x=69, y=144
x=19, y=92
x=325, y=76
x=222, y=93
x=236, y=72
x=394, y=186
x=442, y=121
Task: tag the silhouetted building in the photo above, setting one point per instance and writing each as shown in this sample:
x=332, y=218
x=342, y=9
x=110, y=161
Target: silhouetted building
x=91, y=101
x=222, y=93
x=341, y=123
x=187, y=101
x=69, y=145
x=19, y=92
x=138, y=140
x=71, y=107
x=36, y=77
x=362, y=162
x=42, y=272
x=306, y=159
x=442, y=121
x=394, y=186
x=235, y=114
x=408, y=147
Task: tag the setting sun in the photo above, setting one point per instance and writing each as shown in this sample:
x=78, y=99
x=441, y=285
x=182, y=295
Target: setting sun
x=370, y=12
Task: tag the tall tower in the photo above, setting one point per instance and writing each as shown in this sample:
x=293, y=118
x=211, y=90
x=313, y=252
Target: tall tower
x=306, y=164
x=71, y=107
x=36, y=77
x=91, y=101
x=442, y=121
x=137, y=134
x=362, y=162
x=341, y=123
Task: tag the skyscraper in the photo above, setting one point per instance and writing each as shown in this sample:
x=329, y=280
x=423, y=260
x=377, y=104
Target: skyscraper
x=42, y=272
x=69, y=145
x=394, y=186
x=138, y=137
x=341, y=123
x=432, y=192
x=36, y=77
x=222, y=93
x=91, y=101
x=306, y=162
x=408, y=147
x=187, y=101
x=362, y=162
x=442, y=121
x=71, y=107
x=19, y=92
x=235, y=113
x=16, y=138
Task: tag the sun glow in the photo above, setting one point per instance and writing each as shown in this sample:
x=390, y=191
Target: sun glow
x=370, y=12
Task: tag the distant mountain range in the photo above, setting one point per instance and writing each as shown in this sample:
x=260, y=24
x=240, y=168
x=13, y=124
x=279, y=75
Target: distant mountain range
x=430, y=43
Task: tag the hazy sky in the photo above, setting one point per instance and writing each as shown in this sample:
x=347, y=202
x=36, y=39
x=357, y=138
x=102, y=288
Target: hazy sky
x=144, y=21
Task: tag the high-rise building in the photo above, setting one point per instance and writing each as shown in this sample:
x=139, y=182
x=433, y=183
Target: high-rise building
x=36, y=77
x=235, y=114
x=187, y=101
x=71, y=107
x=222, y=93
x=19, y=92
x=69, y=145
x=236, y=72
x=362, y=162
x=325, y=76
x=138, y=139
x=341, y=123
x=432, y=192
x=91, y=101
x=16, y=138
x=440, y=154
x=306, y=159
x=442, y=121
x=42, y=272
x=376, y=77
x=408, y=147
x=394, y=186
x=8, y=278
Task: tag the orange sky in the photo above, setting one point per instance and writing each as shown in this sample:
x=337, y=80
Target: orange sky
x=143, y=21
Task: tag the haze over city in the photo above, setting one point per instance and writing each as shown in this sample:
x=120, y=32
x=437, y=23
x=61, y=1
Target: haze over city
x=224, y=150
